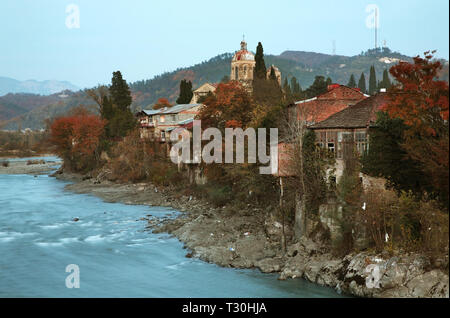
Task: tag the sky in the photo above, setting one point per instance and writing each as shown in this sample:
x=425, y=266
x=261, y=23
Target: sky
x=84, y=41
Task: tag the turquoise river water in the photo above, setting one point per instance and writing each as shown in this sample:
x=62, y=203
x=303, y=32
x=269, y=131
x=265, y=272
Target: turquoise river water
x=115, y=255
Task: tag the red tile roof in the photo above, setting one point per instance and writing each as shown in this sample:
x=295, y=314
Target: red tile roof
x=337, y=98
x=362, y=114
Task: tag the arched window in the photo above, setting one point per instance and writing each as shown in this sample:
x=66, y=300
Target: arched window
x=236, y=72
x=245, y=71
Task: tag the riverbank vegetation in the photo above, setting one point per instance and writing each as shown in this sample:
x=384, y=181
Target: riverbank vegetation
x=25, y=143
x=408, y=148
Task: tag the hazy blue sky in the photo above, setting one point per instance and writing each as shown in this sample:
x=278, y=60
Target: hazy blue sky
x=145, y=38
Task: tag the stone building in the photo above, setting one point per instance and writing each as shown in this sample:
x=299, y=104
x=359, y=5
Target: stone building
x=277, y=73
x=242, y=66
x=203, y=91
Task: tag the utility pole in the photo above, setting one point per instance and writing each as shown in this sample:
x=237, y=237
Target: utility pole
x=376, y=27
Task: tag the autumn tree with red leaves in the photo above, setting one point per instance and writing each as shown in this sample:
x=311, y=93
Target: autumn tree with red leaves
x=422, y=102
x=77, y=139
x=161, y=103
x=230, y=106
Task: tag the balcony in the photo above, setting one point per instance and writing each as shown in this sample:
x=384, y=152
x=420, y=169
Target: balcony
x=147, y=125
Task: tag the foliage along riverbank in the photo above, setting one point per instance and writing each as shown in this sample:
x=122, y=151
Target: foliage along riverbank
x=235, y=238
x=374, y=234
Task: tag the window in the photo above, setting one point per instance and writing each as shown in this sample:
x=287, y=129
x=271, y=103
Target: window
x=163, y=135
x=162, y=119
x=331, y=146
x=245, y=71
x=236, y=72
x=361, y=142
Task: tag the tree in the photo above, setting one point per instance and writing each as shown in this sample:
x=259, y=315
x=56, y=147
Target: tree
x=362, y=83
x=319, y=86
x=386, y=82
x=77, y=139
x=161, y=103
x=388, y=159
x=296, y=88
x=372, y=81
x=114, y=103
x=230, y=104
x=272, y=75
x=122, y=119
x=185, y=92
x=287, y=90
x=120, y=92
x=329, y=81
x=260, y=66
x=421, y=101
x=265, y=90
x=352, y=82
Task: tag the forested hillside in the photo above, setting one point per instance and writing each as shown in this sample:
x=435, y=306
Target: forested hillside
x=27, y=110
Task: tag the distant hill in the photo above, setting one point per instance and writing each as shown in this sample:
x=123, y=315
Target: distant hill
x=42, y=108
x=10, y=85
x=303, y=65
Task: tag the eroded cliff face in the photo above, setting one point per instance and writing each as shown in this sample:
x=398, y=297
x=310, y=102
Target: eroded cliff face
x=234, y=240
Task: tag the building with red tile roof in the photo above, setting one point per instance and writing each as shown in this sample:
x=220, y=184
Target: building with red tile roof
x=319, y=108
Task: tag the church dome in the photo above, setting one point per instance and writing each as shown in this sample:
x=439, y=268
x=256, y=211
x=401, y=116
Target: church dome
x=243, y=54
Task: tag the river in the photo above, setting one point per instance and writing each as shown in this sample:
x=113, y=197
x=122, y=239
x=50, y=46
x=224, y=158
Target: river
x=115, y=254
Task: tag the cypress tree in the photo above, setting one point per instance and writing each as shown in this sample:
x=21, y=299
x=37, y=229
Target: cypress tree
x=121, y=119
x=260, y=66
x=287, y=88
x=352, y=82
x=362, y=83
x=120, y=92
x=185, y=92
x=386, y=82
x=272, y=75
x=329, y=81
x=295, y=86
x=372, y=81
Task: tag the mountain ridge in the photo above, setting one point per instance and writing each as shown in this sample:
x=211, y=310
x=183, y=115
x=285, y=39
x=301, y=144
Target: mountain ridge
x=46, y=87
x=303, y=65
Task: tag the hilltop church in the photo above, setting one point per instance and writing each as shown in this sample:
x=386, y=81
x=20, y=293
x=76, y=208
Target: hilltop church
x=242, y=67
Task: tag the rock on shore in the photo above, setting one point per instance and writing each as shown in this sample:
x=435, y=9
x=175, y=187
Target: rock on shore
x=251, y=239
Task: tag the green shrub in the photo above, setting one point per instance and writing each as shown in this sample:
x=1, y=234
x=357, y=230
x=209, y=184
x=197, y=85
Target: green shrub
x=220, y=195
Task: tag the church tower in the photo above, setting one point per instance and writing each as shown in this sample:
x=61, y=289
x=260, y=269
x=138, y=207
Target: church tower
x=242, y=66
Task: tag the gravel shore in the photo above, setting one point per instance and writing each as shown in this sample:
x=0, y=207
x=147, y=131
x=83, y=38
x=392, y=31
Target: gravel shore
x=251, y=239
x=24, y=167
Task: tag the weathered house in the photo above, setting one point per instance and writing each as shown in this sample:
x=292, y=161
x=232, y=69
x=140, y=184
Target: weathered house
x=350, y=124
x=156, y=124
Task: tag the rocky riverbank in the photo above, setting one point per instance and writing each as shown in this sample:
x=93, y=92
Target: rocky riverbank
x=251, y=238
